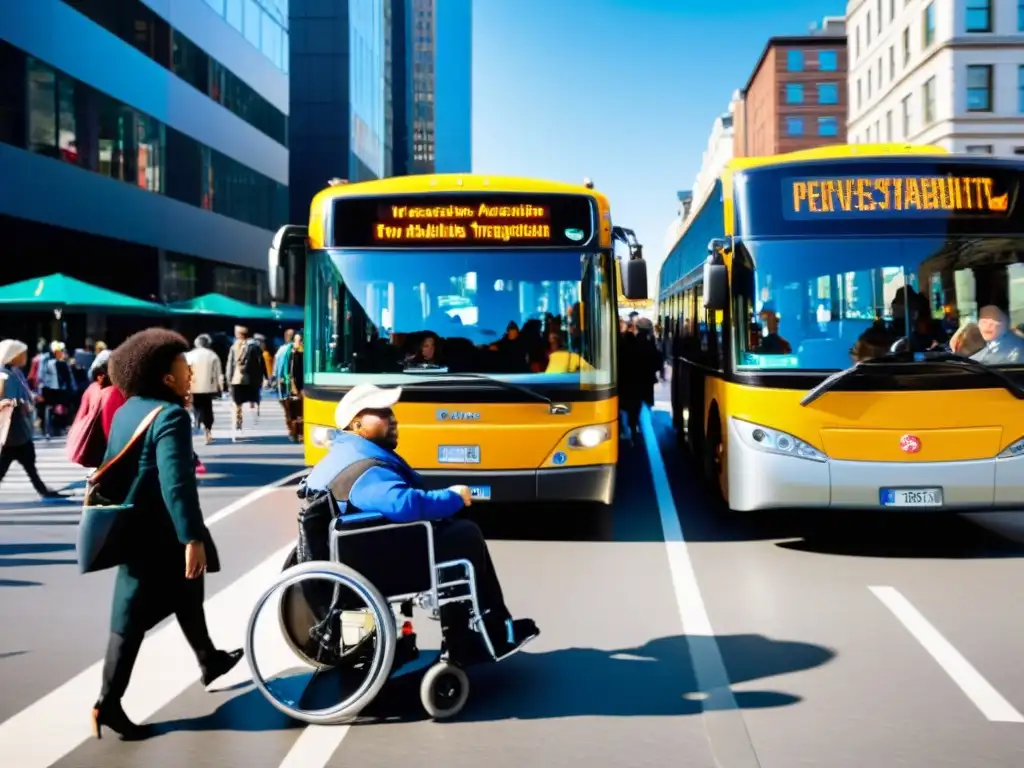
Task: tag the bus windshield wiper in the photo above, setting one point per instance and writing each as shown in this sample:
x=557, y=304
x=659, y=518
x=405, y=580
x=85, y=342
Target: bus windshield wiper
x=937, y=357
x=440, y=377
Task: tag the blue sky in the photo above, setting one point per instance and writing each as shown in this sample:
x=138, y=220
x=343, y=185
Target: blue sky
x=623, y=91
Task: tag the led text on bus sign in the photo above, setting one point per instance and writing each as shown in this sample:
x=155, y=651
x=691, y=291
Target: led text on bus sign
x=481, y=224
x=960, y=195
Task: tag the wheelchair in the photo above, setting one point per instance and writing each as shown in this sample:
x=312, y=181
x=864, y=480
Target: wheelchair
x=348, y=625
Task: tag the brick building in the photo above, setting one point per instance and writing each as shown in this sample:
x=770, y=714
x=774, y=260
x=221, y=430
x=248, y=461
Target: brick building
x=796, y=97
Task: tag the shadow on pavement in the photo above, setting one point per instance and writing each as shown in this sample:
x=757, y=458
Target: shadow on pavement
x=10, y=554
x=653, y=680
x=825, y=531
x=19, y=583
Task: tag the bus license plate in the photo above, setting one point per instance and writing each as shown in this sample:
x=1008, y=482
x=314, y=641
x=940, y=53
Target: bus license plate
x=480, y=492
x=911, y=497
x=458, y=454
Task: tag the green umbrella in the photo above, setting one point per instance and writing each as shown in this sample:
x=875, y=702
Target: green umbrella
x=60, y=292
x=289, y=313
x=218, y=305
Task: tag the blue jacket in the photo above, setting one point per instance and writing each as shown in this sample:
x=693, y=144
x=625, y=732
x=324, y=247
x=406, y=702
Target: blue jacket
x=394, y=490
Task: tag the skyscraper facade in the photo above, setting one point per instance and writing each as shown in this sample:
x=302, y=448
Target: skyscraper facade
x=144, y=145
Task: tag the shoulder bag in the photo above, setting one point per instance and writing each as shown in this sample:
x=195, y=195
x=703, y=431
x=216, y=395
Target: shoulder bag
x=109, y=496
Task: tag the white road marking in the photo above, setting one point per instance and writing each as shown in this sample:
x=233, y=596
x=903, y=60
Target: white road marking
x=55, y=725
x=315, y=746
x=981, y=693
x=708, y=665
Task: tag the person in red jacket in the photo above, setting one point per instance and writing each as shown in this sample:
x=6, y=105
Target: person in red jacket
x=112, y=399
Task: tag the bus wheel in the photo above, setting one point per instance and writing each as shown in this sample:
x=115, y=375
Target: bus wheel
x=712, y=455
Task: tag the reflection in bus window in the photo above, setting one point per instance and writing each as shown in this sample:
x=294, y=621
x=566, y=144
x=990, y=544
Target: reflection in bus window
x=920, y=290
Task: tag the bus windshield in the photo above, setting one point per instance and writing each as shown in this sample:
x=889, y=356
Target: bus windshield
x=821, y=304
x=535, y=316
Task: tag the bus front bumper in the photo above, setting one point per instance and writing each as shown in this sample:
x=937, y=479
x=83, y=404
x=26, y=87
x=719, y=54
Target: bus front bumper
x=759, y=480
x=572, y=484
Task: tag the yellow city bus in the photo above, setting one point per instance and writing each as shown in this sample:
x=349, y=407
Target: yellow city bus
x=797, y=265
x=443, y=285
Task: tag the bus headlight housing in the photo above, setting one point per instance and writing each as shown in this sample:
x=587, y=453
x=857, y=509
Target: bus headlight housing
x=589, y=437
x=322, y=437
x=777, y=442
x=1014, y=449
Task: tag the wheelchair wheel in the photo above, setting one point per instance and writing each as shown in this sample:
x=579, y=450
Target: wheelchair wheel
x=444, y=690
x=295, y=617
x=375, y=659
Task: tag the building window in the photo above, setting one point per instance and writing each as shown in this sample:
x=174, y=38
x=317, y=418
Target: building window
x=1020, y=88
x=879, y=73
x=928, y=97
x=828, y=61
x=67, y=119
x=906, y=46
x=867, y=135
x=828, y=93
x=828, y=126
x=979, y=149
x=795, y=61
x=42, y=108
x=979, y=15
x=794, y=93
x=928, y=25
x=888, y=126
x=856, y=48
x=906, y=117
x=794, y=126
x=892, y=10
x=892, y=63
x=1020, y=15
x=979, y=88
x=860, y=94
x=867, y=31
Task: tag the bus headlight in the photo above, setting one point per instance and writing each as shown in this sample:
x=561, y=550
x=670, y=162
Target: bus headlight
x=1013, y=449
x=322, y=437
x=589, y=437
x=774, y=441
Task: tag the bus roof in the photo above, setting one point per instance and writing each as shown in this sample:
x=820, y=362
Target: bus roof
x=453, y=182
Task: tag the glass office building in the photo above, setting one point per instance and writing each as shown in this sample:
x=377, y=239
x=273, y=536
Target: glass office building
x=144, y=145
x=435, y=120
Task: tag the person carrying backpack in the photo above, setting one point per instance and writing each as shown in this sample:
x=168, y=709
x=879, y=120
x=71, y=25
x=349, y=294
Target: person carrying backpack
x=87, y=440
x=245, y=373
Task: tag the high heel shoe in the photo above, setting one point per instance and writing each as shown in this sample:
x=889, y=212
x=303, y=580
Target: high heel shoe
x=220, y=663
x=113, y=717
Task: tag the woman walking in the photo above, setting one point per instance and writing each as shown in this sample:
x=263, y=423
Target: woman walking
x=14, y=387
x=207, y=382
x=170, y=548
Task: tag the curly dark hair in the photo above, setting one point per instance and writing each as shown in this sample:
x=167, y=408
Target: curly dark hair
x=140, y=362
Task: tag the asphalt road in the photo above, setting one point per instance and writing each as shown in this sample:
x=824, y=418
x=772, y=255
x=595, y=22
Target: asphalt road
x=672, y=634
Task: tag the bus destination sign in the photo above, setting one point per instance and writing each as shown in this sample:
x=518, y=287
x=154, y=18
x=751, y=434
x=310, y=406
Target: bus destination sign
x=482, y=223
x=951, y=196
x=464, y=221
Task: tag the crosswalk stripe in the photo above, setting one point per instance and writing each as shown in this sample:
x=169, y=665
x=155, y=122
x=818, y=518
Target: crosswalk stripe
x=58, y=723
x=61, y=474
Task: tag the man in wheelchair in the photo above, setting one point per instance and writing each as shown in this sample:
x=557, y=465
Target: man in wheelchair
x=378, y=480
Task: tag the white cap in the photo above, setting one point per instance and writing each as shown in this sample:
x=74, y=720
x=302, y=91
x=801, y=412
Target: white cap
x=364, y=397
x=10, y=349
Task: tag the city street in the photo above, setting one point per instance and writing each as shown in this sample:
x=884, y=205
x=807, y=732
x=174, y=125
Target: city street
x=672, y=633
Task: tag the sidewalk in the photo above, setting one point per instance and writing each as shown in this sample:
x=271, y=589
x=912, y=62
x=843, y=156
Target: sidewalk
x=62, y=475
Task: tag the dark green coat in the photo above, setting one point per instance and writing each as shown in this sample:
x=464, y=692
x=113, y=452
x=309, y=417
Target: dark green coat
x=151, y=585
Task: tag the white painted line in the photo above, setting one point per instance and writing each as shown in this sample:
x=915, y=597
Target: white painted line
x=708, y=665
x=248, y=499
x=981, y=693
x=315, y=746
x=55, y=725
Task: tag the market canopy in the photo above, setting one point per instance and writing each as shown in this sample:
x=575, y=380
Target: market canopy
x=60, y=292
x=219, y=305
x=289, y=313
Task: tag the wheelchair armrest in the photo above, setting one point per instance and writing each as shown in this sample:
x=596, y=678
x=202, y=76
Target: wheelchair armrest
x=360, y=520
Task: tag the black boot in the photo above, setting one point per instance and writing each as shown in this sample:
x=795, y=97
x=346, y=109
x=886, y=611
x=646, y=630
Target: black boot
x=122, y=651
x=219, y=663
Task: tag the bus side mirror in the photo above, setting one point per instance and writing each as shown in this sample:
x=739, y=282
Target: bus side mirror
x=716, y=286
x=288, y=236
x=635, y=280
